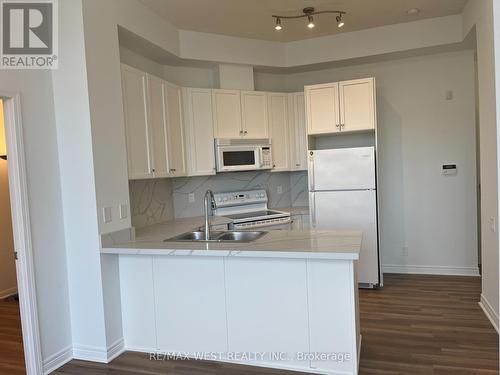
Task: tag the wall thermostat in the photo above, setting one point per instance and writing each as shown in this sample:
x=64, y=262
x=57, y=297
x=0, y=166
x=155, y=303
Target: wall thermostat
x=449, y=169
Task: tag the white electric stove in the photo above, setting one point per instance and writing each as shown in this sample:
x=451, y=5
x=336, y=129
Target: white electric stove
x=248, y=209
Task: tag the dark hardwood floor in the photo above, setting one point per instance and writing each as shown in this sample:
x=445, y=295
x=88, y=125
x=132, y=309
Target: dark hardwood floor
x=11, y=341
x=418, y=325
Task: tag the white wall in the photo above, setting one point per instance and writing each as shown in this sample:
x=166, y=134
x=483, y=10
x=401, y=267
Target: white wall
x=479, y=14
x=179, y=75
x=8, y=283
x=434, y=216
x=74, y=138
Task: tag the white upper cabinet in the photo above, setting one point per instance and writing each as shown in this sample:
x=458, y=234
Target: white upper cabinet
x=357, y=104
x=322, y=108
x=154, y=126
x=135, y=97
x=240, y=114
x=298, y=131
x=199, y=131
x=254, y=114
x=158, y=125
x=227, y=113
x=176, y=153
x=347, y=106
x=279, y=127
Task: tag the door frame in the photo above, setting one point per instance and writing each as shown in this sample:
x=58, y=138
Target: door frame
x=21, y=226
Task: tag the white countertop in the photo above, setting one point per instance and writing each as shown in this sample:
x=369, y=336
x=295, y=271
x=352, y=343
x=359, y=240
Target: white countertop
x=311, y=244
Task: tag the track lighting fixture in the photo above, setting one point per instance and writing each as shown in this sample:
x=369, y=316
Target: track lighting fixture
x=309, y=12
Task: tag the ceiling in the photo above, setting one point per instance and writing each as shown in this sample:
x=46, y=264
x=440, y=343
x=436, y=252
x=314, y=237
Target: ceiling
x=252, y=18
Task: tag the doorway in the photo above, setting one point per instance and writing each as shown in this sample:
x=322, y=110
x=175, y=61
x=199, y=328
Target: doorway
x=12, y=352
x=25, y=306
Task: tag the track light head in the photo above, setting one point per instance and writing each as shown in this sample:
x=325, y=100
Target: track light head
x=310, y=23
x=278, y=26
x=340, y=23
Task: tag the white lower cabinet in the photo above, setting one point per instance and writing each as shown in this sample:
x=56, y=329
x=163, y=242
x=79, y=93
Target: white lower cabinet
x=199, y=131
x=284, y=308
x=190, y=304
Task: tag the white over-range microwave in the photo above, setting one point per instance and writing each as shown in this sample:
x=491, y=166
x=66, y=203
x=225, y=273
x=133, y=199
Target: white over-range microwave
x=234, y=155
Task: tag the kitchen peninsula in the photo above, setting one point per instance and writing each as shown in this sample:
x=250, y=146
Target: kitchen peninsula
x=286, y=300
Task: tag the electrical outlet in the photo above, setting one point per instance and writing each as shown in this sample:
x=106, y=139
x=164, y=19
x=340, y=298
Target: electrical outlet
x=404, y=251
x=191, y=197
x=280, y=189
x=123, y=211
x=493, y=224
x=107, y=214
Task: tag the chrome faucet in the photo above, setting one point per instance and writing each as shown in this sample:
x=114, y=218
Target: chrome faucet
x=209, y=202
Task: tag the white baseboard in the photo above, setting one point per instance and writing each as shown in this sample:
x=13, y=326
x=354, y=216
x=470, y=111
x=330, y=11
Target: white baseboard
x=8, y=292
x=489, y=311
x=431, y=270
x=57, y=360
x=99, y=354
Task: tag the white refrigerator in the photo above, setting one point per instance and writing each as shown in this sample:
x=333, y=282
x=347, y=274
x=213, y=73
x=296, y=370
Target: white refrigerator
x=343, y=195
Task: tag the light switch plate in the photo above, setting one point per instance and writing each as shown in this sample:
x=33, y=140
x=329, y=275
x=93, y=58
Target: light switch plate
x=191, y=197
x=107, y=214
x=123, y=211
x=280, y=189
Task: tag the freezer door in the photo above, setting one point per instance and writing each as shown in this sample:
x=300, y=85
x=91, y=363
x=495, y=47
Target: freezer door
x=342, y=169
x=351, y=210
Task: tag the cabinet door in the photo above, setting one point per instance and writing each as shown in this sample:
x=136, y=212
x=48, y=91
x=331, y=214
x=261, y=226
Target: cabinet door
x=357, y=104
x=199, y=132
x=158, y=122
x=322, y=108
x=254, y=114
x=299, y=156
x=278, y=124
x=227, y=113
x=173, y=105
x=134, y=86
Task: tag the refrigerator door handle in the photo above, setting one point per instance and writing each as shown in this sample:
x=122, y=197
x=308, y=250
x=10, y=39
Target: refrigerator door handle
x=313, y=210
x=311, y=171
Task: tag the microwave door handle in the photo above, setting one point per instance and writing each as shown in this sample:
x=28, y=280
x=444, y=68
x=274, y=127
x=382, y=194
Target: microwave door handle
x=259, y=158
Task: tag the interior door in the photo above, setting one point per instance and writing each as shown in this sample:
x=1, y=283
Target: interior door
x=173, y=106
x=351, y=210
x=278, y=121
x=357, y=105
x=322, y=108
x=158, y=127
x=254, y=114
x=134, y=86
x=227, y=113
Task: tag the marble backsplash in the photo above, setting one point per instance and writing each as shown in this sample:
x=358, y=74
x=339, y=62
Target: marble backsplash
x=155, y=201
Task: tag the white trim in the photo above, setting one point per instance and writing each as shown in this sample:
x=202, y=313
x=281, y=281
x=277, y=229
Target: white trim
x=8, y=292
x=489, y=311
x=431, y=270
x=57, y=360
x=99, y=354
x=22, y=233
x=116, y=349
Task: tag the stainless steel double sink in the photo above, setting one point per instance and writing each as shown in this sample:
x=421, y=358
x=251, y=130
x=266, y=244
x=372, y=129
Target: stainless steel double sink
x=227, y=236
